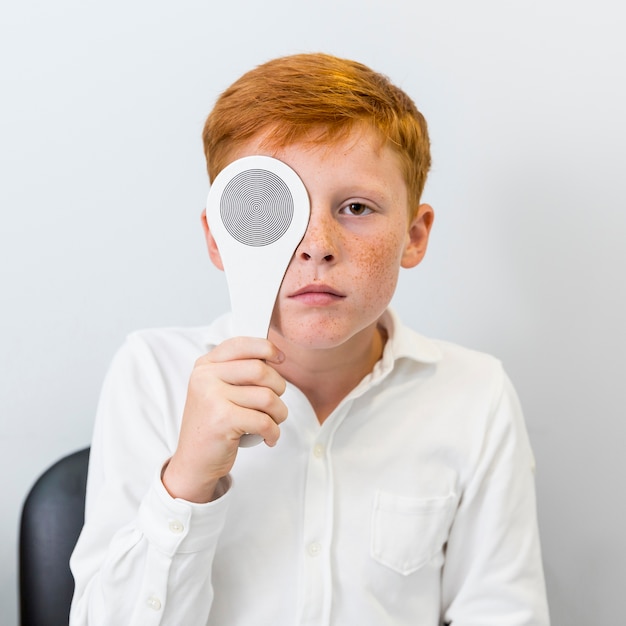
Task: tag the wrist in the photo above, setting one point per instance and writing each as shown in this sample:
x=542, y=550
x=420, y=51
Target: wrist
x=179, y=486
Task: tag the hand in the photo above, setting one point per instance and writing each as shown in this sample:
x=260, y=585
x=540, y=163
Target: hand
x=232, y=390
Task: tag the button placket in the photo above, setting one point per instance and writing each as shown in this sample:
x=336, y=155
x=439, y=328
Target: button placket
x=315, y=589
x=315, y=534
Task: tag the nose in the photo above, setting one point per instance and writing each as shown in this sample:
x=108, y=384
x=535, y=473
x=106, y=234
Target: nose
x=320, y=241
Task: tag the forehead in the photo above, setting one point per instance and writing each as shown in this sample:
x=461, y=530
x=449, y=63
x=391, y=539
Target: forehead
x=360, y=147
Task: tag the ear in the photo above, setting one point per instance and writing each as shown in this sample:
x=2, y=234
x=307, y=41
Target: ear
x=214, y=253
x=417, y=236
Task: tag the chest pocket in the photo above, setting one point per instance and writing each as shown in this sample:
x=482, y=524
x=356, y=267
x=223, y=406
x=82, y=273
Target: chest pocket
x=409, y=532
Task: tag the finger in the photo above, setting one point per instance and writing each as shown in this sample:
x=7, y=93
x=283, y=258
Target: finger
x=233, y=411
x=247, y=373
x=237, y=348
x=238, y=420
x=258, y=423
x=260, y=400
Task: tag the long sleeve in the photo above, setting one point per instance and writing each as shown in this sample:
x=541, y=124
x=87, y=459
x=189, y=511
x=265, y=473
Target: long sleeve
x=143, y=558
x=493, y=572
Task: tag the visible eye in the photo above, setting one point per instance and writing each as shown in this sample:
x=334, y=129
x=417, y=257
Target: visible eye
x=356, y=208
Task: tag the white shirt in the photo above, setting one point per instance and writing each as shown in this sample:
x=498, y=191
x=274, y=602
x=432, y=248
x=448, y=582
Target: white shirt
x=413, y=503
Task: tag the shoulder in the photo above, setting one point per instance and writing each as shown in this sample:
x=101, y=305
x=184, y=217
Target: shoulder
x=463, y=359
x=169, y=340
x=462, y=379
x=176, y=341
x=463, y=375
x=441, y=358
x=168, y=353
x=469, y=394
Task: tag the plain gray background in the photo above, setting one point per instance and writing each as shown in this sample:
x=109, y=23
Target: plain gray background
x=102, y=185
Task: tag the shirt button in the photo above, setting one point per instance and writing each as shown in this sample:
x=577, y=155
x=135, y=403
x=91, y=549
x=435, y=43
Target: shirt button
x=314, y=549
x=154, y=603
x=176, y=526
x=318, y=451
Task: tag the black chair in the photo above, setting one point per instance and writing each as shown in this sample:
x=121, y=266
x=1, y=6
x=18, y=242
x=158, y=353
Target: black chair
x=52, y=518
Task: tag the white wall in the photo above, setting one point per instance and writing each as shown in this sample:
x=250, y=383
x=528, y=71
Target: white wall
x=102, y=184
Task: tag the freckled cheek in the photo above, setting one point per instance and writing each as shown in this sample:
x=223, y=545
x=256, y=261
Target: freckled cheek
x=376, y=268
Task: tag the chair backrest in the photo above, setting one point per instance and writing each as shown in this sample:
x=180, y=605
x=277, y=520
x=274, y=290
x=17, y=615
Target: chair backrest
x=52, y=518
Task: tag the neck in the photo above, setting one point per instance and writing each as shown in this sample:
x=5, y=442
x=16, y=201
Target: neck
x=326, y=376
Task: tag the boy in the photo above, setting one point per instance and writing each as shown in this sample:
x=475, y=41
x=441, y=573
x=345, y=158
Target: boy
x=396, y=485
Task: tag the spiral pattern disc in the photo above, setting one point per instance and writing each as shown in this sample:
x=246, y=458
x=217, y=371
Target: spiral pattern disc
x=256, y=207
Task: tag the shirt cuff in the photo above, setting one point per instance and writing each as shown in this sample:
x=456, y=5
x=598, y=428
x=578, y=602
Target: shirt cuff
x=175, y=526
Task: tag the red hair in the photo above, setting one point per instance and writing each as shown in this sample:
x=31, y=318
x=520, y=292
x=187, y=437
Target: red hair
x=317, y=98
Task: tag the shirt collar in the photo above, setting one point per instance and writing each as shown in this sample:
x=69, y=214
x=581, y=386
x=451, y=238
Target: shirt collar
x=403, y=342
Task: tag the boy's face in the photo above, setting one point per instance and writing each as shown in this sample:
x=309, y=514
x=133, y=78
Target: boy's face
x=344, y=272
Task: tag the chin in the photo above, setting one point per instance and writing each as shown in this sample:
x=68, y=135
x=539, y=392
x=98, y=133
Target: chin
x=308, y=339
x=326, y=335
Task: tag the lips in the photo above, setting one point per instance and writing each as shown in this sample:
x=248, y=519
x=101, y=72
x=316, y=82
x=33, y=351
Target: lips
x=317, y=294
x=317, y=288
